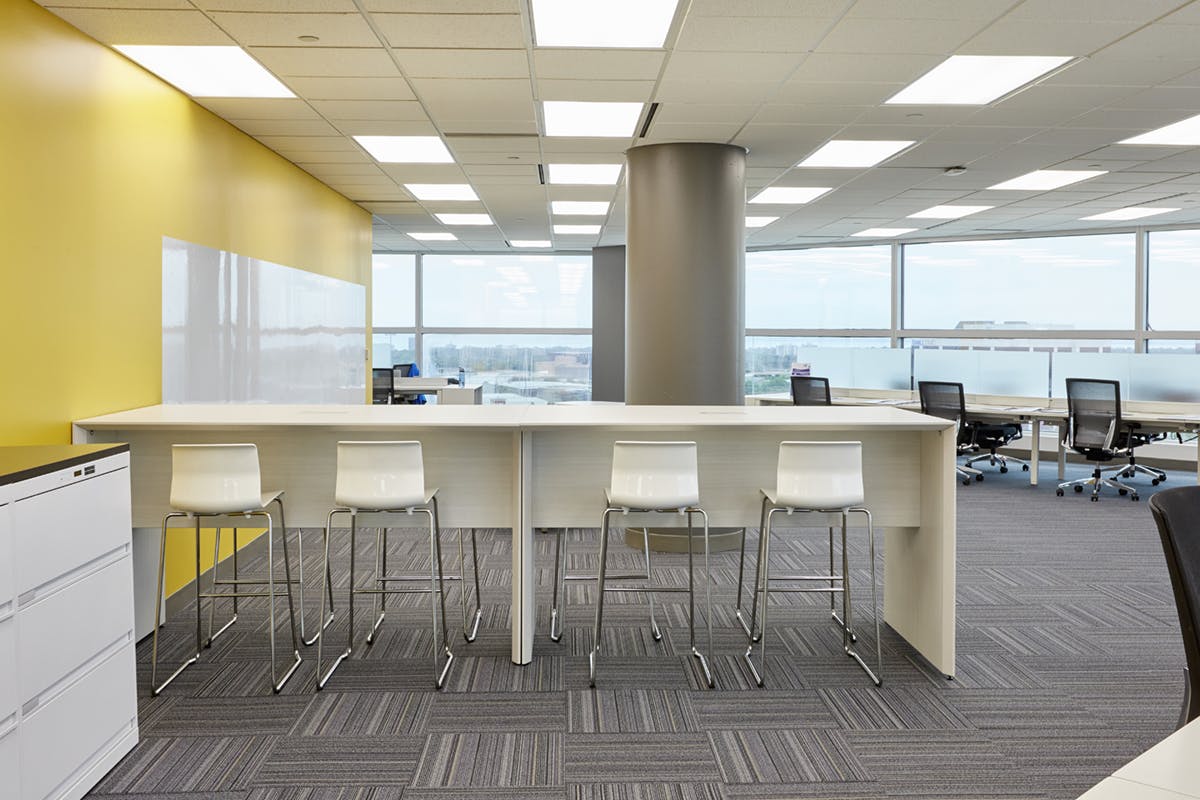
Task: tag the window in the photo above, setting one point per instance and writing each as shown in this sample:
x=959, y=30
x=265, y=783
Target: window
x=829, y=287
x=1054, y=283
x=1173, y=282
x=769, y=359
x=515, y=368
x=393, y=291
x=463, y=291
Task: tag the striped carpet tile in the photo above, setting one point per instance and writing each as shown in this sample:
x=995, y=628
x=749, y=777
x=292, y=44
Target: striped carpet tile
x=786, y=756
x=644, y=791
x=631, y=711
x=760, y=710
x=498, y=712
x=332, y=713
x=888, y=707
x=490, y=759
x=340, y=761
x=632, y=758
x=200, y=764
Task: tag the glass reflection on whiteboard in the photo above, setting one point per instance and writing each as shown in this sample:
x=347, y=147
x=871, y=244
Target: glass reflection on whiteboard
x=241, y=330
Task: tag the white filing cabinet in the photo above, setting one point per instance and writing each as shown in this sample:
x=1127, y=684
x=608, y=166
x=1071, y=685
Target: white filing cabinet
x=68, y=698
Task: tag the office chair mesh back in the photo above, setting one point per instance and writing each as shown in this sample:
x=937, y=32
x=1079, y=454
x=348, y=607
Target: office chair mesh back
x=1094, y=408
x=1177, y=514
x=943, y=399
x=810, y=391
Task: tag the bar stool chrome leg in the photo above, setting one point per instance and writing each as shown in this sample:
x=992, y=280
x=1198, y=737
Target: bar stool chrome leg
x=437, y=597
x=654, y=631
x=762, y=523
x=557, y=587
x=873, y=675
x=470, y=630
x=762, y=583
x=278, y=682
x=700, y=657
x=155, y=687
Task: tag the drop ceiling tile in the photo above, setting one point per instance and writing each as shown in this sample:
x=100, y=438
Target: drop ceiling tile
x=285, y=127
x=853, y=68
x=596, y=91
x=768, y=8
x=803, y=92
x=328, y=62
x=1185, y=99
x=424, y=173
x=1104, y=70
x=247, y=108
x=729, y=91
x=1165, y=41
x=690, y=132
x=281, y=6
x=750, y=66
x=931, y=9
x=676, y=113
x=487, y=31
x=362, y=127
x=344, y=172
x=139, y=26
x=1134, y=121
x=340, y=111
x=920, y=116
x=470, y=99
x=396, y=212
x=317, y=88
x=1142, y=11
x=602, y=65
x=300, y=156
x=779, y=114
x=462, y=63
x=783, y=145
x=284, y=30
x=1038, y=38
x=310, y=144
x=567, y=150
x=447, y=6
x=750, y=34
x=144, y=4
x=510, y=177
x=902, y=36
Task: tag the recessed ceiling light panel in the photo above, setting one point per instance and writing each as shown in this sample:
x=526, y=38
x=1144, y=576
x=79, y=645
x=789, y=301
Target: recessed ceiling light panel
x=441, y=191
x=579, y=208
x=1132, y=212
x=571, y=118
x=406, y=149
x=433, y=237
x=207, y=71
x=948, y=212
x=1185, y=133
x=529, y=243
x=584, y=174
x=585, y=230
x=464, y=219
x=789, y=195
x=602, y=23
x=975, y=80
x=854, y=153
x=884, y=233
x=759, y=222
x=1042, y=180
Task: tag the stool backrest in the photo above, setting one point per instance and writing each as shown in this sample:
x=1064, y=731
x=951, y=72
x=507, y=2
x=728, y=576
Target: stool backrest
x=819, y=475
x=215, y=478
x=379, y=475
x=654, y=475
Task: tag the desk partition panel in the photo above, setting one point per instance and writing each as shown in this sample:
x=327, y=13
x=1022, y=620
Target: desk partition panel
x=1003, y=372
x=859, y=367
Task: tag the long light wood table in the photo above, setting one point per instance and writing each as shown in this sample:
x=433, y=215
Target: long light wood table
x=1167, y=771
x=528, y=467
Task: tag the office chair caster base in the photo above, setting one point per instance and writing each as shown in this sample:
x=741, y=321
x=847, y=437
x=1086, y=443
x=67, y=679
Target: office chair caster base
x=1024, y=468
x=1059, y=492
x=1003, y=470
x=966, y=482
x=1133, y=498
x=1122, y=492
x=1078, y=490
x=978, y=478
x=1095, y=499
x=1155, y=482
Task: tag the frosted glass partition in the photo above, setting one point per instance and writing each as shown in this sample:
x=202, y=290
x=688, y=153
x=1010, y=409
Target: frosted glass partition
x=1103, y=366
x=1003, y=372
x=1163, y=377
x=240, y=330
x=859, y=367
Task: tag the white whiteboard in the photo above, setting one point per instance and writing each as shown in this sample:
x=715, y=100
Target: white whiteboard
x=237, y=329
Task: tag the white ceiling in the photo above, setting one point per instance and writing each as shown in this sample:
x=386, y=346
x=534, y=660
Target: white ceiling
x=780, y=77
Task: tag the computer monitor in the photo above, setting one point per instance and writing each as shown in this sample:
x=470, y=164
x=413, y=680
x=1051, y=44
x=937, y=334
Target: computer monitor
x=402, y=370
x=381, y=386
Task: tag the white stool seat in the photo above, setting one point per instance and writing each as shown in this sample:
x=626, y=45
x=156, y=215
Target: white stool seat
x=389, y=477
x=654, y=476
x=819, y=475
x=224, y=480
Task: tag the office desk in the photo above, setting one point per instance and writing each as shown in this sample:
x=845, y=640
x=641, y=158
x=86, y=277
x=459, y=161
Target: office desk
x=527, y=467
x=1035, y=412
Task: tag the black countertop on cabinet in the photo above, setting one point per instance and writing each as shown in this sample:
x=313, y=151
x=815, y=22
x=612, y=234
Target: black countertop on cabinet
x=23, y=463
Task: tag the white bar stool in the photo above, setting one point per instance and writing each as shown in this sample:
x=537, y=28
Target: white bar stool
x=655, y=477
x=219, y=480
x=389, y=478
x=822, y=478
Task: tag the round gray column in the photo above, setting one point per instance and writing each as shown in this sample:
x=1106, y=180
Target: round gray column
x=685, y=274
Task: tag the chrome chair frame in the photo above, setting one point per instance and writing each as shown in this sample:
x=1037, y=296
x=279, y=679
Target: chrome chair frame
x=763, y=578
x=436, y=590
x=277, y=682
x=594, y=653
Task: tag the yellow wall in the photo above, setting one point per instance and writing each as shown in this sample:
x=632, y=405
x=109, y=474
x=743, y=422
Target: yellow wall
x=98, y=161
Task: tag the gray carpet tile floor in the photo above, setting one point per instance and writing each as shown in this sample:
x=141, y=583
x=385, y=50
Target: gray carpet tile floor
x=1069, y=665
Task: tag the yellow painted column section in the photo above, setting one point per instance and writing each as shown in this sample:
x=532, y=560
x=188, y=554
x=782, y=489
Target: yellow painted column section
x=99, y=161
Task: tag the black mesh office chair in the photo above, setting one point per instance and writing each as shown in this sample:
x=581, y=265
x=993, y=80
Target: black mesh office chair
x=991, y=436
x=381, y=386
x=810, y=391
x=1096, y=431
x=1177, y=514
x=404, y=398
x=947, y=400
